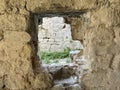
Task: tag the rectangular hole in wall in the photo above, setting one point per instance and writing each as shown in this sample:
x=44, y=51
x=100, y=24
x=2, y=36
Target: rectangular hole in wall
x=59, y=49
x=55, y=42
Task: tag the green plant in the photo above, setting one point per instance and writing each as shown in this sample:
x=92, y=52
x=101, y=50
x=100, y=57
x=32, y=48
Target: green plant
x=46, y=61
x=47, y=56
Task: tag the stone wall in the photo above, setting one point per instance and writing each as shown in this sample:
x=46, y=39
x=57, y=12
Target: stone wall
x=102, y=47
x=19, y=64
x=54, y=35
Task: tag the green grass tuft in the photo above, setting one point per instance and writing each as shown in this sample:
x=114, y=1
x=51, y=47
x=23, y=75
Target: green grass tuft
x=47, y=56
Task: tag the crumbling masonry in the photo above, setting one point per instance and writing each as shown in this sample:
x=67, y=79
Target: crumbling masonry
x=19, y=64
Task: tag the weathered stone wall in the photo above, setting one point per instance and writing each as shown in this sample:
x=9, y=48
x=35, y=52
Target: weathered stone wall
x=19, y=64
x=102, y=47
x=54, y=35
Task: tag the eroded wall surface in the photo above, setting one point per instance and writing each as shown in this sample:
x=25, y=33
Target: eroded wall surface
x=19, y=64
x=102, y=47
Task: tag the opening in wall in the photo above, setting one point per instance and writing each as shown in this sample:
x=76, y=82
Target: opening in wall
x=60, y=48
x=55, y=41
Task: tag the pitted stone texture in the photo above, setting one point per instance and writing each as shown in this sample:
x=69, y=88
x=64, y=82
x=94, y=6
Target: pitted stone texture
x=77, y=31
x=102, y=49
x=117, y=36
x=39, y=83
x=12, y=36
x=58, y=5
x=1, y=35
x=107, y=16
x=101, y=43
x=5, y=67
x=12, y=22
x=1, y=83
x=2, y=6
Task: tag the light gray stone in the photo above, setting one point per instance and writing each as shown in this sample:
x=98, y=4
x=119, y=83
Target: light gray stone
x=56, y=34
x=58, y=87
x=74, y=87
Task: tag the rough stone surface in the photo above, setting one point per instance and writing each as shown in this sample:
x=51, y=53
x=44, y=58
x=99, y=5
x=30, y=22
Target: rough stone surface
x=19, y=64
x=12, y=22
x=60, y=71
x=59, y=5
x=54, y=35
x=58, y=87
x=74, y=87
x=102, y=49
x=64, y=76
